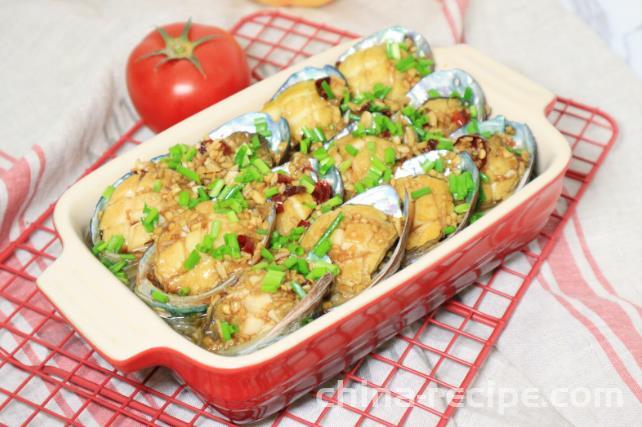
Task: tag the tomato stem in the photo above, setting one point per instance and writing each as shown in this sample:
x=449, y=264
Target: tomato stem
x=181, y=47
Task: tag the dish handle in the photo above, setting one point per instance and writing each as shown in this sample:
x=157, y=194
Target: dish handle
x=100, y=312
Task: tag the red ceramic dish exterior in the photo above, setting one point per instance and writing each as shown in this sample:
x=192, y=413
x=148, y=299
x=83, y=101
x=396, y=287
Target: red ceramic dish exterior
x=250, y=393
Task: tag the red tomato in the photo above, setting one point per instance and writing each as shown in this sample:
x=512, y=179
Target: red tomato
x=182, y=68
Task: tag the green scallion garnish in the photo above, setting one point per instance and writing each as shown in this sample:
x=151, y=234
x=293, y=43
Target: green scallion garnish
x=265, y=253
x=328, y=205
x=227, y=330
x=150, y=218
x=420, y=193
x=272, y=281
x=449, y=230
x=389, y=156
x=108, y=192
x=115, y=243
x=159, y=296
x=271, y=191
x=183, y=198
x=192, y=259
x=352, y=150
x=327, y=89
x=232, y=244
x=462, y=208
x=327, y=233
x=298, y=290
x=308, y=183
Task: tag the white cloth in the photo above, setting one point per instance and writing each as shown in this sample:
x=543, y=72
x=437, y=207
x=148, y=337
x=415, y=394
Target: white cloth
x=64, y=103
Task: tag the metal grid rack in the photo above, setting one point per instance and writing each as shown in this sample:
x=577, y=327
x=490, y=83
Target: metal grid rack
x=50, y=375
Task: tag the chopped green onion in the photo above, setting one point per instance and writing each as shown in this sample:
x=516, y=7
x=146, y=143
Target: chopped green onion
x=325, y=267
x=351, y=149
x=272, y=191
x=331, y=203
x=345, y=165
x=474, y=217
x=320, y=154
x=380, y=91
x=242, y=156
x=159, y=296
x=215, y=228
x=515, y=151
x=389, y=155
x=115, y=244
x=290, y=262
x=472, y=127
x=215, y=187
x=272, y=281
x=325, y=165
x=406, y=63
x=255, y=142
x=420, y=193
x=202, y=195
x=262, y=127
x=231, y=216
x=192, y=259
x=296, y=287
x=184, y=291
x=262, y=232
x=318, y=135
x=108, y=191
x=468, y=94
x=304, y=146
x=156, y=186
x=232, y=243
x=307, y=182
x=427, y=166
x=188, y=173
x=439, y=165
x=261, y=166
x=392, y=50
x=484, y=177
x=327, y=89
x=472, y=110
x=449, y=230
x=265, y=253
x=227, y=330
x=445, y=144
x=463, y=208
x=184, y=198
x=260, y=265
x=302, y=266
x=322, y=248
x=150, y=218
x=434, y=93
x=328, y=232
x=99, y=247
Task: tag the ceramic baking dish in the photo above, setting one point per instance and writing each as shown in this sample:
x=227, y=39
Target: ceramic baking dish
x=245, y=388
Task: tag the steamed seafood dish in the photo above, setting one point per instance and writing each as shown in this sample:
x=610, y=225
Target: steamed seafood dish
x=444, y=187
x=150, y=187
x=504, y=153
x=278, y=217
x=381, y=69
x=443, y=102
x=309, y=100
x=357, y=238
x=258, y=307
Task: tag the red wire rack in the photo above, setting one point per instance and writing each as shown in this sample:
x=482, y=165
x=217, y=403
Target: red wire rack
x=50, y=375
